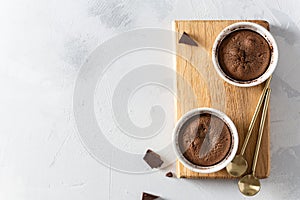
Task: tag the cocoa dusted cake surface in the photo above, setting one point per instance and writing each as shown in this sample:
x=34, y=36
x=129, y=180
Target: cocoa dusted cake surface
x=244, y=55
x=205, y=140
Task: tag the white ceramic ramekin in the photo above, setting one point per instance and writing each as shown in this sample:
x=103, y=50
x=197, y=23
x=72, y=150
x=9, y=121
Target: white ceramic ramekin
x=253, y=27
x=234, y=140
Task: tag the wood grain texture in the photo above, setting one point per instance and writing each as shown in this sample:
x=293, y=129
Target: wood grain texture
x=195, y=69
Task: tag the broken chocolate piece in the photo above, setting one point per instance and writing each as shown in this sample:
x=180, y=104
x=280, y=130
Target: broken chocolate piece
x=147, y=196
x=169, y=174
x=152, y=159
x=186, y=39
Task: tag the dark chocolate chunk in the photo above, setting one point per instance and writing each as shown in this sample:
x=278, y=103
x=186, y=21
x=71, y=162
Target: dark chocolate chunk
x=169, y=174
x=153, y=159
x=147, y=196
x=186, y=39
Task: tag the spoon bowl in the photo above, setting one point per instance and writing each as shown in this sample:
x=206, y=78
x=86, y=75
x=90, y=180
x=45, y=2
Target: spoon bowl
x=249, y=185
x=238, y=166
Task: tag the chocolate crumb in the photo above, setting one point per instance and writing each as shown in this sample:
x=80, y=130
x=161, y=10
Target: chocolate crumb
x=147, y=196
x=153, y=159
x=186, y=39
x=169, y=174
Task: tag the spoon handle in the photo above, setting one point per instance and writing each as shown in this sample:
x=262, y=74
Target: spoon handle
x=261, y=129
x=257, y=109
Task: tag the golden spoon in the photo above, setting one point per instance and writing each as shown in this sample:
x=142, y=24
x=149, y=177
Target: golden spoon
x=249, y=185
x=238, y=166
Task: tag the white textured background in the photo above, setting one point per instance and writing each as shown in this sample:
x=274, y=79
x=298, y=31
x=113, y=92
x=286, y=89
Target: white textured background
x=42, y=46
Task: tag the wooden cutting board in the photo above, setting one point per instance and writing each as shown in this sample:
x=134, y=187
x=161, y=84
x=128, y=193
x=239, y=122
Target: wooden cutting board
x=195, y=70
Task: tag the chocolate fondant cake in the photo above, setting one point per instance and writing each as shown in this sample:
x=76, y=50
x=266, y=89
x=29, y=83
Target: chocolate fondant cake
x=205, y=140
x=244, y=55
